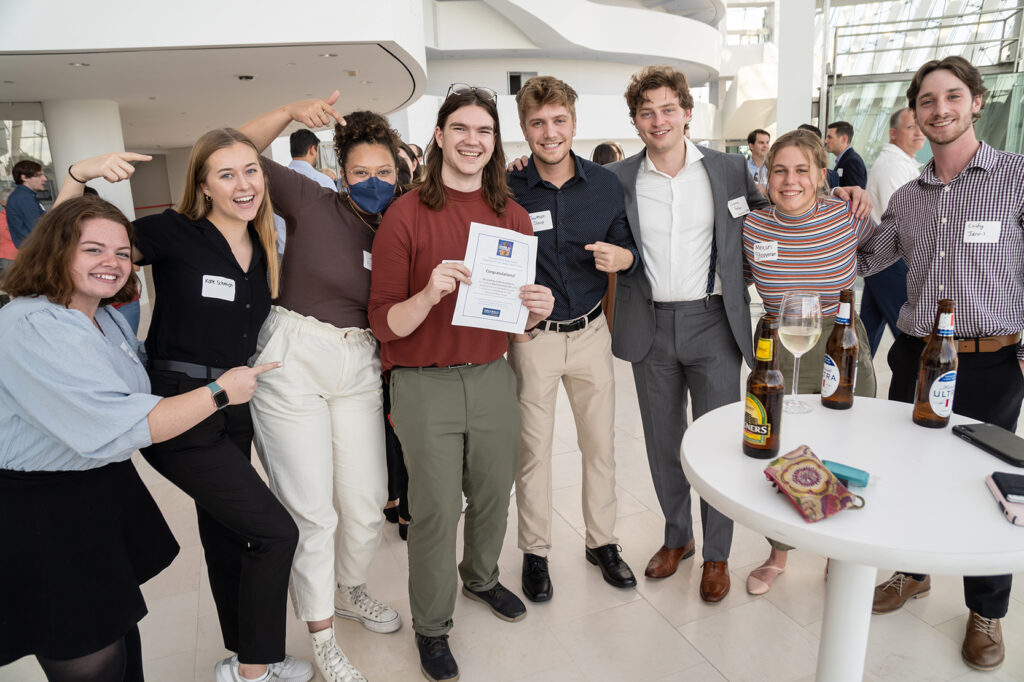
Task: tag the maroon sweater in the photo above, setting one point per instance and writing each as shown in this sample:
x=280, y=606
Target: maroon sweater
x=411, y=242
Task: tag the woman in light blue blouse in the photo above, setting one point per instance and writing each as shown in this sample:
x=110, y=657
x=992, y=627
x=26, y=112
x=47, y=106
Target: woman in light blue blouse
x=80, y=531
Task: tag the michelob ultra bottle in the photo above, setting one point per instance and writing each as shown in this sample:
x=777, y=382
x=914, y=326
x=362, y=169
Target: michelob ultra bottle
x=762, y=419
x=936, y=379
x=839, y=374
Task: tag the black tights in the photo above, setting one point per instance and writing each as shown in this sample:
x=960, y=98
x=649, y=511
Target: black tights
x=117, y=662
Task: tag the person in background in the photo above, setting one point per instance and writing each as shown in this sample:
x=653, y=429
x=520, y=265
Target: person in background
x=407, y=169
x=23, y=207
x=607, y=152
x=8, y=251
x=453, y=394
x=81, y=532
x=758, y=141
x=420, y=170
x=886, y=292
x=811, y=128
x=304, y=146
x=850, y=170
x=320, y=424
x=982, y=270
x=215, y=274
x=804, y=242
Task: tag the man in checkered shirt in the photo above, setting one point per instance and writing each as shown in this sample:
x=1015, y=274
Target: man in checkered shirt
x=960, y=227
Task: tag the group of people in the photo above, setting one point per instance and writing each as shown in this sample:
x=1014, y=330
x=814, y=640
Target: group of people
x=243, y=349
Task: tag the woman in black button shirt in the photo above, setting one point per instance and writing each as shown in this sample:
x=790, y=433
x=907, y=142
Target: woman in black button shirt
x=214, y=283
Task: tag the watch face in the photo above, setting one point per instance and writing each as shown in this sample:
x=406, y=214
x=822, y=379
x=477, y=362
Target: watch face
x=221, y=399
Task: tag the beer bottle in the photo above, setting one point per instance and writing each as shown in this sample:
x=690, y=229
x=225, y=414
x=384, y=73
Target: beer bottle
x=762, y=419
x=839, y=375
x=936, y=379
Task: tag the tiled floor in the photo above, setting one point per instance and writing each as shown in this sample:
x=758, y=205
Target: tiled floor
x=658, y=632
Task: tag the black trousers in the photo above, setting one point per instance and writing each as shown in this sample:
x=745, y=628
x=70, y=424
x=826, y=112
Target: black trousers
x=247, y=536
x=398, y=476
x=989, y=388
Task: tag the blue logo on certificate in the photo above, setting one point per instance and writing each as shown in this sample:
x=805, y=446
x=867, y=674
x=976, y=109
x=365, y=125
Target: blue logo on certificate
x=505, y=248
x=491, y=312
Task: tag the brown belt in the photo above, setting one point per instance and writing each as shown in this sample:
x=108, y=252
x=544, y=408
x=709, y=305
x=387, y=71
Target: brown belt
x=984, y=344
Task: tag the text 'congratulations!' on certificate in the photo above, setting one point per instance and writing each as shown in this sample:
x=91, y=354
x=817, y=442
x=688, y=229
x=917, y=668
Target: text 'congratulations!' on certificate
x=501, y=261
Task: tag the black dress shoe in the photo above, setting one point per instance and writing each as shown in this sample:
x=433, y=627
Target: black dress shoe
x=503, y=603
x=613, y=568
x=436, y=660
x=536, y=581
x=391, y=514
x=403, y=530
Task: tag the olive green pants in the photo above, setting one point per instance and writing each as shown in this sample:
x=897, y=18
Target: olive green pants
x=459, y=429
x=811, y=364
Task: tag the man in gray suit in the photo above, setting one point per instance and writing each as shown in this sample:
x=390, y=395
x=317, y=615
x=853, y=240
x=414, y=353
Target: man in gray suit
x=683, y=317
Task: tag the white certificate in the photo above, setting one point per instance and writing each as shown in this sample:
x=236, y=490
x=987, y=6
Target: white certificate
x=501, y=261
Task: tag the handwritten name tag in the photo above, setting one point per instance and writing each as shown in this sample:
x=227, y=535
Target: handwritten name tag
x=738, y=207
x=367, y=260
x=766, y=251
x=982, y=231
x=218, y=287
x=541, y=221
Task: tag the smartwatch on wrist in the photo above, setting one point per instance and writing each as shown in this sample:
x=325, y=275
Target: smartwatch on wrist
x=220, y=396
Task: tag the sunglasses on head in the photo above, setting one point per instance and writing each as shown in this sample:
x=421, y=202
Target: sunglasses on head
x=462, y=89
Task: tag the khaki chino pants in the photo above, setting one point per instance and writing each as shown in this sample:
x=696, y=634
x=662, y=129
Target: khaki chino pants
x=582, y=361
x=459, y=429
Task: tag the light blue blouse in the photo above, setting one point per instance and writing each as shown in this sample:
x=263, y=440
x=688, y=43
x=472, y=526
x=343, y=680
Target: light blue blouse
x=71, y=398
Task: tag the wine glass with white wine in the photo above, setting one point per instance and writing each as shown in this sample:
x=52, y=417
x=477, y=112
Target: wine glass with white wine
x=799, y=330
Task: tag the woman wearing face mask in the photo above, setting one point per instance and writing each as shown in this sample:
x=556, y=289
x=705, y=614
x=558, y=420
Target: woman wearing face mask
x=319, y=425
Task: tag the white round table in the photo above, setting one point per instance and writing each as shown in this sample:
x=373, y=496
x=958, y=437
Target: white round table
x=927, y=508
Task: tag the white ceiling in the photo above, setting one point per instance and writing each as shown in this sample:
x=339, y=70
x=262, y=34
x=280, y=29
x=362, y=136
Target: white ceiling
x=170, y=97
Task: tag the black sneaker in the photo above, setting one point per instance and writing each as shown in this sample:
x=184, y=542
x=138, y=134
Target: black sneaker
x=536, y=581
x=503, y=603
x=436, y=660
x=613, y=568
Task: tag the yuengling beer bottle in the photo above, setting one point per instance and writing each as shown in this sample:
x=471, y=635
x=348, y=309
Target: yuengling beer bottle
x=936, y=379
x=839, y=374
x=762, y=419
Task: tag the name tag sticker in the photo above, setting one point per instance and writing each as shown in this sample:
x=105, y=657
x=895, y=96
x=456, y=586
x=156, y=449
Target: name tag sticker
x=541, y=221
x=839, y=171
x=738, y=207
x=218, y=287
x=766, y=251
x=982, y=231
x=367, y=260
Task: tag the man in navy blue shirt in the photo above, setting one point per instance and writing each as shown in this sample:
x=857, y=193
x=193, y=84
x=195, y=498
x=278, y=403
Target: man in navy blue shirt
x=579, y=217
x=850, y=170
x=23, y=208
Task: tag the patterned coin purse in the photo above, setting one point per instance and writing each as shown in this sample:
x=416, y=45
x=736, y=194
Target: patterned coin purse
x=814, y=490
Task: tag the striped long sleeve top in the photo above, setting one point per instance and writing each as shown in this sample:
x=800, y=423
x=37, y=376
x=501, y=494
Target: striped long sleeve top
x=815, y=252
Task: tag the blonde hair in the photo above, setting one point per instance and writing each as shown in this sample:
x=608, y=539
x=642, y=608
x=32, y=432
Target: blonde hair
x=811, y=146
x=193, y=205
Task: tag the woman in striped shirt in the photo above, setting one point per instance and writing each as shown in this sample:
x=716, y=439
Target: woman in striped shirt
x=805, y=241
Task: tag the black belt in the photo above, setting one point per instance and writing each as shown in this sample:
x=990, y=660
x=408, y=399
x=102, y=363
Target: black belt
x=189, y=369
x=570, y=325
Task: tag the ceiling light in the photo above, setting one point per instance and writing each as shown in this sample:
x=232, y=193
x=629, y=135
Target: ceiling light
x=366, y=82
x=77, y=64
x=352, y=72
x=328, y=55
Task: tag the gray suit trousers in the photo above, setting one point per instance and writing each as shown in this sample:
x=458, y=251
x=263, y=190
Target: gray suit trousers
x=694, y=351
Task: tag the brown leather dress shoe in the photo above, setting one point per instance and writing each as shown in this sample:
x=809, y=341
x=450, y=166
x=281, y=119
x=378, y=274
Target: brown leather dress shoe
x=666, y=560
x=714, y=584
x=983, y=643
x=894, y=592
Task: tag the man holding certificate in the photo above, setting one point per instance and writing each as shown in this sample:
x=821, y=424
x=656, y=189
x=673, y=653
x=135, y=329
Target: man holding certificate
x=578, y=213
x=452, y=393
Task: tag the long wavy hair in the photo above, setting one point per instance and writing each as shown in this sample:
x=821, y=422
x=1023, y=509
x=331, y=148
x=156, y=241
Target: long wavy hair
x=193, y=205
x=495, y=183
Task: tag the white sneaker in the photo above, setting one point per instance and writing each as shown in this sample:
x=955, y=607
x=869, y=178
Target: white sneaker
x=291, y=669
x=355, y=603
x=227, y=671
x=331, y=661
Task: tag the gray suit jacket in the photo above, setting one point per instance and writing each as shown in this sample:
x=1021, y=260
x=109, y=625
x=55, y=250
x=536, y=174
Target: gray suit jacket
x=633, y=330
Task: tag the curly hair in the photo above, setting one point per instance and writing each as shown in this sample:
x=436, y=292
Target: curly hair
x=653, y=78
x=364, y=127
x=43, y=265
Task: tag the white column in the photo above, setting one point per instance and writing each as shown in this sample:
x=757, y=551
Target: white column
x=795, y=39
x=80, y=128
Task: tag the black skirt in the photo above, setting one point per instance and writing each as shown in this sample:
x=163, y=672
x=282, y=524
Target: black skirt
x=76, y=545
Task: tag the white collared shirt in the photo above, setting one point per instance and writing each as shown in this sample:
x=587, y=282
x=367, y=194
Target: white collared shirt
x=892, y=169
x=677, y=224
